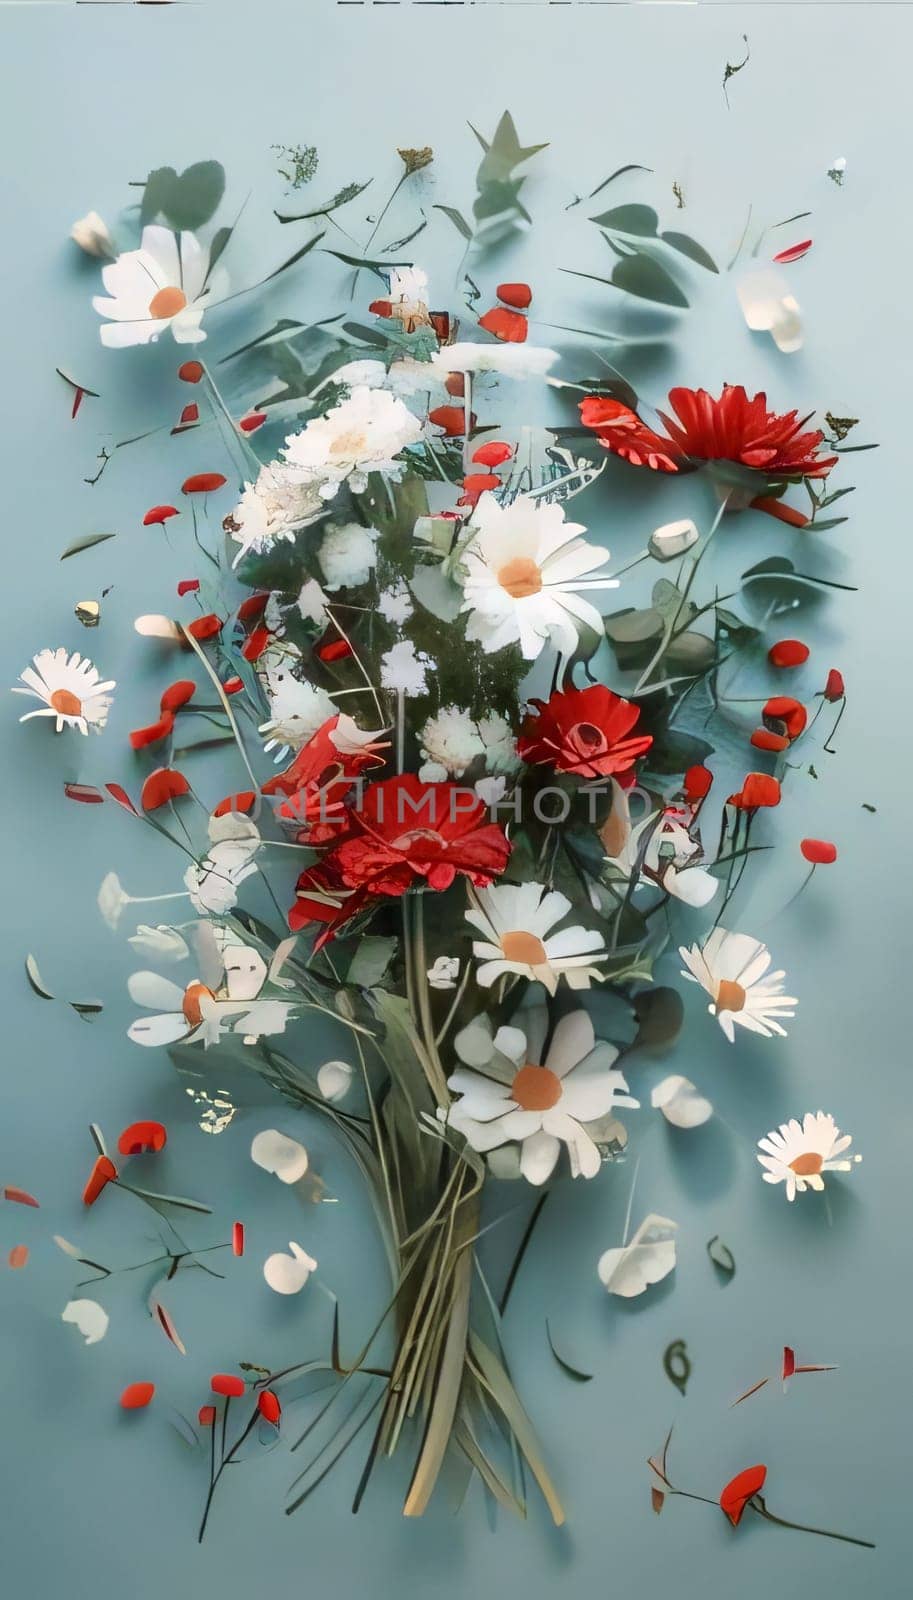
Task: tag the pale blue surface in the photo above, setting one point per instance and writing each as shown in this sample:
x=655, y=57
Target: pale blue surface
x=92, y=97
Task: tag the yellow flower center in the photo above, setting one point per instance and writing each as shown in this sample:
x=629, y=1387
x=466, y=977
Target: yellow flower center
x=191, y=1007
x=730, y=996
x=351, y=445
x=524, y=948
x=167, y=302
x=68, y=704
x=520, y=577
x=808, y=1164
x=536, y=1088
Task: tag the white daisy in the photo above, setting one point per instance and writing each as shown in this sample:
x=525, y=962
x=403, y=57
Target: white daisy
x=274, y=507
x=732, y=967
x=797, y=1154
x=524, y=568
x=348, y=555
x=364, y=433
x=161, y=285
x=511, y=360
x=506, y=1095
x=661, y=850
x=515, y=921
x=70, y=689
x=213, y=882
x=449, y=742
x=203, y=1011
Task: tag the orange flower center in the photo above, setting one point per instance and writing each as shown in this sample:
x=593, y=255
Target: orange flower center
x=191, y=1007
x=167, y=302
x=524, y=948
x=808, y=1164
x=730, y=996
x=536, y=1088
x=520, y=577
x=351, y=445
x=69, y=705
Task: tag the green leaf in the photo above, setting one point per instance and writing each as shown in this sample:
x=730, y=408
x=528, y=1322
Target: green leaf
x=371, y=961
x=641, y=276
x=690, y=652
x=305, y=248
x=457, y=218
x=505, y=1396
x=85, y=543
x=351, y=191
x=437, y=593
x=686, y=246
x=721, y=1256
x=35, y=979
x=676, y=1364
x=284, y=325
x=186, y=201
x=505, y=151
x=572, y=1372
x=640, y=220
x=660, y=1013
x=367, y=263
x=157, y=1200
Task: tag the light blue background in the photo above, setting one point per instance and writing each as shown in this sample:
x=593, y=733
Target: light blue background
x=91, y=98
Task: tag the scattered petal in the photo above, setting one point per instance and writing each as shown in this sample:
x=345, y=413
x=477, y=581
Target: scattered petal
x=739, y=1491
x=820, y=852
x=680, y=1102
x=650, y=1257
x=137, y=1396
x=88, y=1317
x=289, y=1274
x=276, y=1153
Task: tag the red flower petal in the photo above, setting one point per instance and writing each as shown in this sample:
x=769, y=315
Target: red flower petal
x=794, y=252
x=335, y=650
x=233, y=685
x=455, y=384
x=763, y=739
x=159, y=514
x=244, y=801
x=452, y=419
x=788, y=653
x=255, y=644
x=381, y=308
x=103, y=1173
x=206, y=1416
x=835, y=688
x=789, y=1362
x=156, y=731
x=137, y=1395
x=697, y=782
x=509, y=326
x=587, y=732
x=237, y=1238
x=820, y=852
x=518, y=295
x=142, y=1138
x=253, y=606
x=20, y=1196
x=492, y=454
x=269, y=1407
x=205, y=627
x=122, y=797
x=18, y=1256
x=85, y=793
x=758, y=789
x=177, y=694
x=189, y=415
x=190, y=371
x=739, y=1491
x=188, y=586
x=225, y=1383
x=162, y=785
x=253, y=421
x=786, y=714
x=475, y=485
x=203, y=483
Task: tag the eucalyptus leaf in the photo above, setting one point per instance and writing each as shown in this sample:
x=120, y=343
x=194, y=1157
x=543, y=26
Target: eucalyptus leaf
x=87, y=542
x=457, y=218
x=690, y=652
x=371, y=961
x=572, y=1372
x=686, y=246
x=641, y=276
x=660, y=1013
x=637, y=219
x=721, y=1256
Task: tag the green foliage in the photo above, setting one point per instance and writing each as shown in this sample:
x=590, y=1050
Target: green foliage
x=187, y=200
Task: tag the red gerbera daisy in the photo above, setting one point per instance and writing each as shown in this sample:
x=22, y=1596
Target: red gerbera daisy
x=733, y=428
x=317, y=783
x=405, y=829
x=321, y=896
x=583, y=731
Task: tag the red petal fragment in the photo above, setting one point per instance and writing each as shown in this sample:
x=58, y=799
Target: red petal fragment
x=103, y=1173
x=788, y=653
x=492, y=454
x=749, y=1392
x=159, y=514
x=18, y=1256
x=156, y=731
x=509, y=326
x=203, y=483
x=122, y=797
x=165, y=784
x=452, y=419
x=83, y=792
x=794, y=252
x=789, y=1362
x=20, y=1196
x=455, y=384
x=255, y=644
x=188, y=586
x=177, y=694
x=336, y=650
x=225, y=1383
x=253, y=606
x=820, y=852
x=190, y=371
x=142, y=1138
x=244, y=801
x=518, y=295
x=758, y=789
x=77, y=401
x=763, y=739
x=657, y=1499
x=739, y=1491
x=697, y=782
x=137, y=1395
x=206, y=1416
x=381, y=308
x=233, y=685
x=205, y=627
x=475, y=485
x=237, y=1238
x=835, y=688
x=269, y=1407
x=789, y=713
x=253, y=421
x=189, y=416
x=780, y=510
